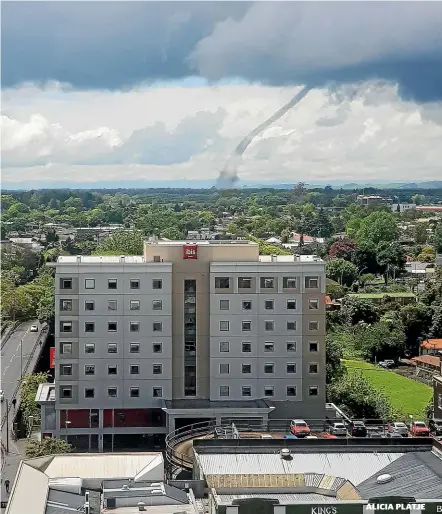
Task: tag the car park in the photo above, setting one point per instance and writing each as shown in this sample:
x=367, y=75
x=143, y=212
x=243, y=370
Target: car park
x=419, y=428
x=435, y=426
x=338, y=429
x=398, y=428
x=299, y=428
x=34, y=328
x=357, y=429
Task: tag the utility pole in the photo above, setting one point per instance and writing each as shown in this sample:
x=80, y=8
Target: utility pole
x=7, y=426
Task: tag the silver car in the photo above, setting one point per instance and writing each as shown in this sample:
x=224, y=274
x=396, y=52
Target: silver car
x=338, y=429
x=398, y=428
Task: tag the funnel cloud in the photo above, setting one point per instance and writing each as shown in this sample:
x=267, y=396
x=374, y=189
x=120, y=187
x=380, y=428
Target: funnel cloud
x=229, y=175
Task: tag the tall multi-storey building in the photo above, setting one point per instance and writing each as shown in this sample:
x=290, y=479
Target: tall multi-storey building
x=186, y=333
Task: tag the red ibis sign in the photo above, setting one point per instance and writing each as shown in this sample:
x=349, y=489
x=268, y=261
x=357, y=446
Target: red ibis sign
x=190, y=252
x=52, y=358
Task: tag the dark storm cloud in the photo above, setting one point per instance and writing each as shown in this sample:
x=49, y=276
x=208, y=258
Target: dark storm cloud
x=117, y=44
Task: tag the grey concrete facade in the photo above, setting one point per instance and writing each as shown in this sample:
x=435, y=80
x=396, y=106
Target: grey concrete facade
x=226, y=326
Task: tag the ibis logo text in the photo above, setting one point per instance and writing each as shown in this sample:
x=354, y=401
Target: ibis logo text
x=190, y=252
x=324, y=510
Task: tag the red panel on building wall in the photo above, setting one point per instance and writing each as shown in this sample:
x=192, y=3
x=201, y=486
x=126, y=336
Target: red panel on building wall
x=79, y=418
x=52, y=358
x=190, y=252
x=133, y=418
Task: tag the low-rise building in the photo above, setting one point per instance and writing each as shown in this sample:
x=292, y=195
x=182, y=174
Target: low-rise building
x=402, y=207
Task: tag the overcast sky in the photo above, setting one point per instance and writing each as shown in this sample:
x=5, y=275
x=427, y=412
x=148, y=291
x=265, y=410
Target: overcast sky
x=94, y=91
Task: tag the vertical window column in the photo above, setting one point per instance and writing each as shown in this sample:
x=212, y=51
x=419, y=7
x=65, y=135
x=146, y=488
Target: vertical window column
x=190, y=338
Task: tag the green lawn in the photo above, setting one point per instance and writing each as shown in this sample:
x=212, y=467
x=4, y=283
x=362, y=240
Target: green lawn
x=405, y=395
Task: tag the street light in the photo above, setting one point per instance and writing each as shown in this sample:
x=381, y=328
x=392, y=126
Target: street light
x=66, y=424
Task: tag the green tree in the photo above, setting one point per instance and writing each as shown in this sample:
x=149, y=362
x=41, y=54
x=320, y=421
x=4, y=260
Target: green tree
x=341, y=271
x=377, y=227
x=28, y=390
x=416, y=320
x=122, y=243
x=391, y=258
x=334, y=367
x=358, y=398
x=47, y=446
x=436, y=323
x=437, y=239
x=427, y=254
x=356, y=310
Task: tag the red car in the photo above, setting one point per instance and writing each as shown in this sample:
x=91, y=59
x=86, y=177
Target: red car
x=420, y=428
x=326, y=435
x=299, y=428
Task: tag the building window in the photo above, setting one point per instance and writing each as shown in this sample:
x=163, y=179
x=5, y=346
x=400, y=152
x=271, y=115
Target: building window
x=89, y=305
x=134, y=283
x=289, y=282
x=190, y=323
x=112, y=283
x=65, y=305
x=291, y=325
x=439, y=401
x=269, y=326
x=246, y=305
x=157, y=283
x=157, y=392
x=89, y=392
x=313, y=391
x=66, y=283
x=89, y=326
x=134, y=305
x=112, y=326
x=157, y=347
x=313, y=325
x=112, y=348
x=222, y=282
x=269, y=347
x=246, y=368
x=112, y=369
x=291, y=305
x=246, y=391
x=134, y=369
x=89, y=348
x=134, y=348
x=224, y=369
x=66, y=370
x=157, y=326
x=89, y=369
x=267, y=282
x=224, y=305
x=291, y=367
x=224, y=391
x=291, y=346
x=112, y=392
x=224, y=326
x=291, y=390
x=89, y=283
x=157, y=305
x=311, y=282
x=224, y=346
x=112, y=305
x=66, y=326
x=246, y=326
x=313, y=346
x=269, y=391
x=66, y=392
x=313, y=368
x=65, y=348
x=246, y=347
x=134, y=392
x=157, y=369
x=134, y=326
x=269, y=305
x=244, y=283
x=313, y=304
x=269, y=368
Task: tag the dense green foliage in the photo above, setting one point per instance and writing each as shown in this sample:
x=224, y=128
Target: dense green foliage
x=47, y=446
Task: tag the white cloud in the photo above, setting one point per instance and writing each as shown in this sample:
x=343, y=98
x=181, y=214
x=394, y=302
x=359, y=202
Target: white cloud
x=362, y=132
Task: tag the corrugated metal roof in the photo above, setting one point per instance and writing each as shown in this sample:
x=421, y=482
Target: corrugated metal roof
x=355, y=467
x=283, y=498
x=416, y=474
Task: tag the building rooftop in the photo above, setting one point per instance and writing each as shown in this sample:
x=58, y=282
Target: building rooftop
x=202, y=242
x=45, y=393
x=101, y=259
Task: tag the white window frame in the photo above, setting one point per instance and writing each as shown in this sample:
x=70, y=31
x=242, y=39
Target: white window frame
x=287, y=368
x=316, y=325
x=157, y=388
x=112, y=281
x=224, y=388
x=156, y=303
x=92, y=368
x=316, y=300
x=137, y=366
x=160, y=367
x=63, y=349
x=160, y=325
x=89, y=346
x=291, y=395
x=109, y=366
x=265, y=281
x=272, y=303
x=269, y=344
x=272, y=325
x=134, y=305
x=112, y=395
x=294, y=343
x=89, y=283
x=246, y=329
x=133, y=280
x=112, y=345
x=132, y=346
x=90, y=302
x=224, y=368
x=227, y=343
x=134, y=326
x=223, y=302
x=291, y=329
x=224, y=323
x=290, y=300
x=269, y=387
x=134, y=392
x=113, y=302
x=272, y=364
x=249, y=389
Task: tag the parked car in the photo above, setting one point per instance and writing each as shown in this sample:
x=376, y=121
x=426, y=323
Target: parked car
x=394, y=435
x=375, y=434
x=329, y=436
x=435, y=425
x=338, y=429
x=419, y=428
x=357, y=429
x=399, y=428
x=299, y=428
x=266, y=436
x=2, y=396
x=34, y=328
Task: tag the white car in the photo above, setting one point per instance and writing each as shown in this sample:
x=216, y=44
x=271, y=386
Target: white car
x=2, y=396
x=338, y=429
x=34, y=328
x=398, y=428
